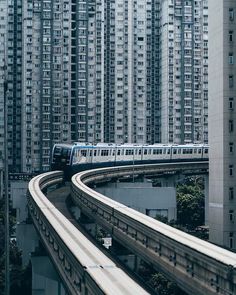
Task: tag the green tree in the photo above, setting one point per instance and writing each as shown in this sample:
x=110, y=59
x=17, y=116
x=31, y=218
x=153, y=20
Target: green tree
x=190, y=204
x=157, y=281
x=163, y=286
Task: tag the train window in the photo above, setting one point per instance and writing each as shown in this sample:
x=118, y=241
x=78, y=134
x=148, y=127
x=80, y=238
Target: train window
x=164, y=151
x=83, y=153
x=168, y=151
x=113, y=152
x=160, y=151
x=145, y=152
x=191, y=151
x=129, y=152
x=195, y=151
x=174, y=151
x=90, y=153
x=57, y=151
x=179, y=151
x=199, y=151
x=154, y=152
x=136, y=151
x=123, y=151
x=94, y=153
x=118, y=152
x=206, y=151
x=140, y=152
x=75, y=153
x=149, y=151
x=64, y=152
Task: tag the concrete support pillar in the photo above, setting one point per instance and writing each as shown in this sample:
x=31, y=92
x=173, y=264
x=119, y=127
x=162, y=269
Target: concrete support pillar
x=76, y=212
x=45, y=280
x=130, y=261
x=27, y=240
x=206, y=192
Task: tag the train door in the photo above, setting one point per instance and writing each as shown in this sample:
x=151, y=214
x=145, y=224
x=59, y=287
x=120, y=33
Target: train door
x=89, y=158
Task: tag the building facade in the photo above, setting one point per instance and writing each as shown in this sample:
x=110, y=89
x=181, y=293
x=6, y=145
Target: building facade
x=123, y=66
x=222, y=119
x=184, y=71
x=104, y=71
x=3, y=76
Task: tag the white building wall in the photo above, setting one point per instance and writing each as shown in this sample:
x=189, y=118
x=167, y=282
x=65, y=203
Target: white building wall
x=222, y=118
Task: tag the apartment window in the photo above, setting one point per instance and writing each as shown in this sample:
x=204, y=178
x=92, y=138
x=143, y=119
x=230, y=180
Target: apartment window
x=231, y=125
x=231, y=58
x=231, y=81
x=231, y=215
x=231, y=103
x=231, y=193
x=231, y=147
x=231, y=14
x=231, y=36
x=231, y=239
x=231, y=170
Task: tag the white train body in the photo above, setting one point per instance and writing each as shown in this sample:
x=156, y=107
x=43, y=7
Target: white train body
x=80, y=156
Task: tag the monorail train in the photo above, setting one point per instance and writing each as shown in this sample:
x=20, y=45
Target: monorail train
x=73, y=158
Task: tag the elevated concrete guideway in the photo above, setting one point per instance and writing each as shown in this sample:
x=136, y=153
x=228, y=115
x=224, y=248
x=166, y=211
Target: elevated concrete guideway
x=198, y=267
x=82, y=267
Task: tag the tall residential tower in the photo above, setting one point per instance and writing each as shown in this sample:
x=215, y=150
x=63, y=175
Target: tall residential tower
x=3, y=74
x=222, y=122
x=184, y=71
x=104, y=71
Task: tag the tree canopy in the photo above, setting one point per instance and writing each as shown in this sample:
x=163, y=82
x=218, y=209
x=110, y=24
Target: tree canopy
x=190, y=204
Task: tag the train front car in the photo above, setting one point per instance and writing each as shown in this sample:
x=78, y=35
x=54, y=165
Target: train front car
x=61, y=157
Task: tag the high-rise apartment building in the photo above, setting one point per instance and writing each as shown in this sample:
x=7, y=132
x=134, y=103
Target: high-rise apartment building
x=148, y=71
x=3, y=38
x=104, y=71
x=123, y=71
x=184, y=71
x=222, y=122
x=47, y=79
x=14, y=52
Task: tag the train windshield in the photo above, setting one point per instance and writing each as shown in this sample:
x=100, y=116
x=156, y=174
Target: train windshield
x=61, y=156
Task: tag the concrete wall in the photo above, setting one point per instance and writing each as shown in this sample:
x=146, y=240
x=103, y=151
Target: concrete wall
x=143, y=198
x=45, y=280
